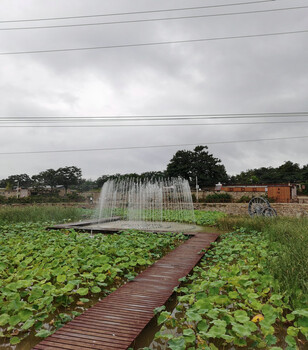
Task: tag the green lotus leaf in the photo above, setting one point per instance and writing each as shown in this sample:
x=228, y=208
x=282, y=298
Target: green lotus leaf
x=301, y=312
x=101, y=277
x=82, y=291
x=241, y=316
x=95, y=289
x=163, y=317
x=88, y=275
x=177, y=343
x=61, y=278
x=290, y=341
x=293, y=331
x=14, y=320
x=43, y=333
x=35, y=294
x=302, y=322
x=84, y=300
x=203, y=326
x=4, y=319
x=241, y=330
x=268, y=310
x=251, y=326
x=189, y=335
x=233, y=295
x=290, y=317
x=141, y=261
x=253, y=295
x=15, y=305
x=25, y=314
x=270, y=339
x=213, y=313
x=202, y=305
x=193, y=316
x=28, y=324
x=240, y=342
x=14, y=340
x=216, y=331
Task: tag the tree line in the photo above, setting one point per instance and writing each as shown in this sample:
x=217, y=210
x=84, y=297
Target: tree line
x=197, y=166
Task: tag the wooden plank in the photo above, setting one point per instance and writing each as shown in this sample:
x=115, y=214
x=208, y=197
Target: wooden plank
x=115, y=321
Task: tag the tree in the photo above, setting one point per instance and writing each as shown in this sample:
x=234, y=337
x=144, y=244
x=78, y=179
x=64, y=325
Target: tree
x=22, y=180
x=197, y=163
x=68, y=176
x=46, y=178
x=289, y=172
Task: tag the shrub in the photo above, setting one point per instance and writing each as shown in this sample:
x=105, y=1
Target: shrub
x=218, y=198
x=244, y=199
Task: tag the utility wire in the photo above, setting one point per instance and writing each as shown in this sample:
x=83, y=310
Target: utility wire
x=156, y=19
x=155, y=43
x=137, y=12
x=149, y=125
x=153, y=146
x=117, y=118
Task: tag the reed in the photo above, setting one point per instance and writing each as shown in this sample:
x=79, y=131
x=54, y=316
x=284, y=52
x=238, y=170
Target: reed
x=288, y=252
x=40, y=213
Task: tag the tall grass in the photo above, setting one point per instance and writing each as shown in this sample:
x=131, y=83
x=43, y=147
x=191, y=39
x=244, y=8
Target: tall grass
x=288, y=255
x=58, y=214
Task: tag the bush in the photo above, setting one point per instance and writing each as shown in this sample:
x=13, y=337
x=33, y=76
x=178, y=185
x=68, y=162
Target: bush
x=218, y=198
x=244, y=199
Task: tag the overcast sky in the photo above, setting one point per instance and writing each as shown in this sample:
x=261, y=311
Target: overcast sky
x=247, y=75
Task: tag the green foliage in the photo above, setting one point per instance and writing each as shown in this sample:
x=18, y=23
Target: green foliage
x=218, y=198
x=289, y=241
x=44, y=271
x=208, y=218
x=244, y=199
x=285, y=173
x=200, y=217
x=232, y=300
x=40, y=214
x=200, y=163
x=43, y=197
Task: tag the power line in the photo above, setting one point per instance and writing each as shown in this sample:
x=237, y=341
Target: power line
x=137, y=12
x=152, y=146
x=150, y=125
x=155, y=43
x=155, y=19
x=203, y=116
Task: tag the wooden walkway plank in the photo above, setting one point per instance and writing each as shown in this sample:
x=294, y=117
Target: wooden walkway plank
x=116, y=321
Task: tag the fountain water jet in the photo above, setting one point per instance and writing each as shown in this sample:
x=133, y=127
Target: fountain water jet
x=147, y=204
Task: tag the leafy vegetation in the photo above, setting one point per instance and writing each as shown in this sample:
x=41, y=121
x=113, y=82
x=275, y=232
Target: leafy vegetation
x=208, y=218
x=42, y=274
x=232, y=300
x=202, y=218
x=218, y=198
x=289, y=240
x=44, y=213
x=285, y=173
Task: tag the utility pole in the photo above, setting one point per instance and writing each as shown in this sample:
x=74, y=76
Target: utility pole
x=197, y=189
x=17, y=190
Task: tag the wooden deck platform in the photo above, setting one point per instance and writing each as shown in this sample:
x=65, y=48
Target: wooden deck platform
x=116, y=321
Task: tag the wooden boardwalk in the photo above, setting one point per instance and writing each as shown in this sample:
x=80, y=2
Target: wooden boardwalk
x=116, y=321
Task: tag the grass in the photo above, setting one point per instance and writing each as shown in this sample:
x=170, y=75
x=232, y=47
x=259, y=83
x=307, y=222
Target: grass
x=39, y=213
x=289, y=242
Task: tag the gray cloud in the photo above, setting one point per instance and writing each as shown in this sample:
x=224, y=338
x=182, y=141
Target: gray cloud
x=268, y=74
